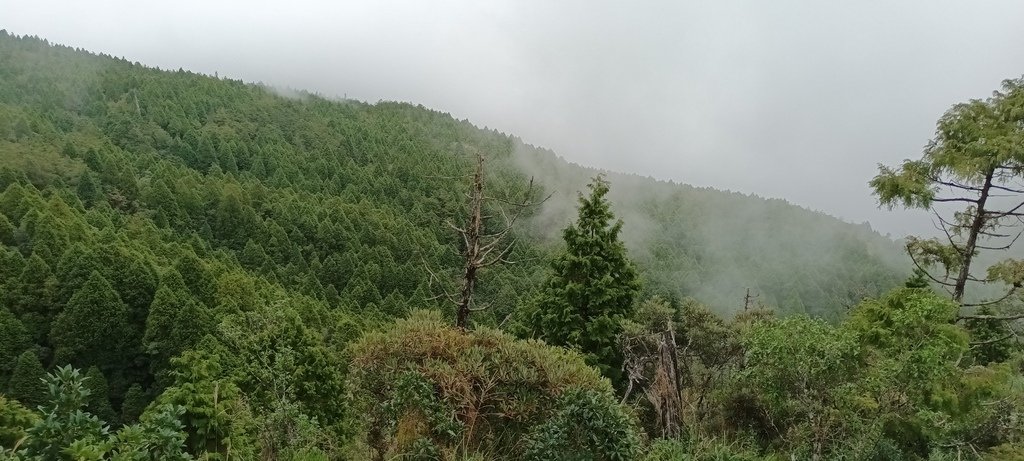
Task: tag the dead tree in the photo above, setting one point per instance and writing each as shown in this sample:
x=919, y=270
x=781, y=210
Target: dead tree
x=748, y=300
x=483, y=248
x=664, y=393
x=653, y=357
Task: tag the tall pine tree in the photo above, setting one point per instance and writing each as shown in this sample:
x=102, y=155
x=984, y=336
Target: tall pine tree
x=591, y=287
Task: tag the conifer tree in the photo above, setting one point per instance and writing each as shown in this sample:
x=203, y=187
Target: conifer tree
x=591, y=287
x=176, y=322
x=88, y=190
x=6, y=231
x=92, y=328
x=26, y=383
x=74, y=269
x=136, y=282
x=98, y=400
x=197, y=277
x=135, y=401
x=14, y=339
x=31, y=297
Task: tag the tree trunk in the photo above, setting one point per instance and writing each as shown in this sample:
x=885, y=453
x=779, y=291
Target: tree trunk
x=972, y=240
x=472, y=241
x=664, y=393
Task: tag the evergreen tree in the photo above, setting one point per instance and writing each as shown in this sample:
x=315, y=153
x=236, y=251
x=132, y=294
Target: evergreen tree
x=197, y=277
x=98, y=400
x=992, y=338
x=591, y=288
x=136, y=283
x=92, y=328
x=11, y=265
x=31, y=297
x=26, y=383
x=254, y=257
x=7, y=231
x=74, y=269
x=88, y=189
x=176, y=322
x=135, y=401
x=14, y=339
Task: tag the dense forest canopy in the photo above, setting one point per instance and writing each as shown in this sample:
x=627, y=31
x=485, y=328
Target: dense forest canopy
x=198, y=266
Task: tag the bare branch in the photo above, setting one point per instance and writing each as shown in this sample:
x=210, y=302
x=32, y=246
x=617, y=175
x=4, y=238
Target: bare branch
x=954, y=184
x=989, y=303
x=990, y=317
x=1005, y=247
x=992, y=341
x=1007, y=189
x=957, y=199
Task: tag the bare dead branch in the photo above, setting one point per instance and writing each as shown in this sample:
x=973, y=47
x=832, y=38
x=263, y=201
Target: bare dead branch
x=956, y=199
x=989, y=303
x=1004, y=247
x=990, y=317
x=974, y=344
x=482, y=249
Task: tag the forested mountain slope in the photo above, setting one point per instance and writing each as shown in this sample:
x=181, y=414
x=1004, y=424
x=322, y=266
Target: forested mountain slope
x=345, y=201
x=211, y=270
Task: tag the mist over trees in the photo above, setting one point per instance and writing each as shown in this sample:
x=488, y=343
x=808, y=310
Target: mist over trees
x=199, y=268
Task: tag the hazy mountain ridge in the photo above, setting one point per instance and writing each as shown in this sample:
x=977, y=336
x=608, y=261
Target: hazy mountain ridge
x=397, y=158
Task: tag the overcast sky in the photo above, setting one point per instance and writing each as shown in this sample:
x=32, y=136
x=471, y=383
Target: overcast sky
x=791, y=99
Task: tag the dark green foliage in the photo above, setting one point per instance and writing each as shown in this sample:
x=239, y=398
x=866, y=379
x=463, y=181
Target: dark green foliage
x=14, y=339
x=98, y=400
x=32, y=297
x=994, y=341
x=197, y=277
x=92, y=328
x=586, y=426
x=135, y=401
x=26, y=384
x=7, y=232
x=74, y=269
x=591, y=288
x=88, y=189
x=175, y=322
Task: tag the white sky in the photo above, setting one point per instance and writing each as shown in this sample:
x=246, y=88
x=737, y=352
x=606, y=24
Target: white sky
x=792, y=99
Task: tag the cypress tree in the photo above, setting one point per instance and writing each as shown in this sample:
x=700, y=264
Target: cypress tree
x=27, y=385
x=135, y=281
x=98, y=400
x=88, y=189
x=74, y=269
x=175, y=323
x=11, y=265
x=31, y=297
x=135, y=401
x=591, y=287
x=197, y=277
x=92, y=328
x=14, y=339
x=6, y=231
